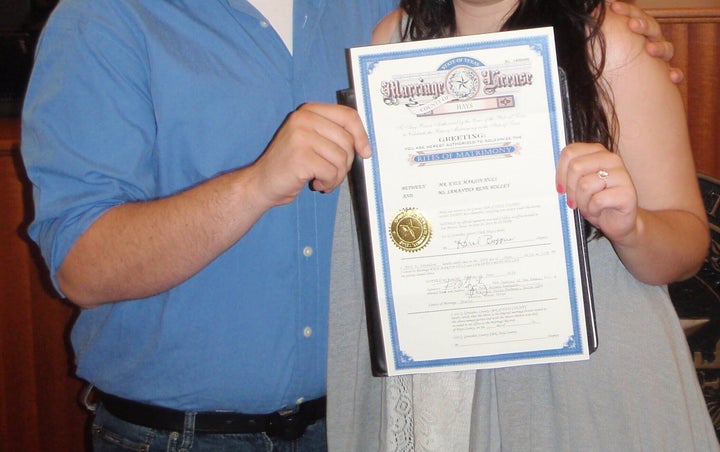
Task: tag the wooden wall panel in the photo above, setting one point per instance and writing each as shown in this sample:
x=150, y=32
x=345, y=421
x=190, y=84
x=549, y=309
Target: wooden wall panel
x=18, y=405
x=703, y=93
x=39, y=408
x=694, y=29
x=697, y=50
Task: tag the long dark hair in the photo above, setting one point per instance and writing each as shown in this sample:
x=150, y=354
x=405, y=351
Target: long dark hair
x=577, y=33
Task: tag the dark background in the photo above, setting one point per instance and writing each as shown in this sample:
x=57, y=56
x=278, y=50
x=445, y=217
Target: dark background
x=20, y=25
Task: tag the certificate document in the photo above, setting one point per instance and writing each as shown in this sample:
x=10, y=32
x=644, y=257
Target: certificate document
x=471, y=259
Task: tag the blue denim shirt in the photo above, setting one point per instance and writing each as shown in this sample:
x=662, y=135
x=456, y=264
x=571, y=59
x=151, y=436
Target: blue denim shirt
x=133, y=100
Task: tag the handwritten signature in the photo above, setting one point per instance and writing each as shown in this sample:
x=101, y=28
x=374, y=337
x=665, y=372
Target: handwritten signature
x=481, y=241
x=472, y=285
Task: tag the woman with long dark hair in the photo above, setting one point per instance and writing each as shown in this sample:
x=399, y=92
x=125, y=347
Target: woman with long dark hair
x=632, y=177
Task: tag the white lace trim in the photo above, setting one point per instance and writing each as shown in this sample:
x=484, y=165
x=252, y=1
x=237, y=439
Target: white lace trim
x=428, y=412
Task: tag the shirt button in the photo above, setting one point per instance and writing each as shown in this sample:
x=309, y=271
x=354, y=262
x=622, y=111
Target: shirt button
x=264, y=24
x=307, y=332
x=300, y=400
x=307, y=251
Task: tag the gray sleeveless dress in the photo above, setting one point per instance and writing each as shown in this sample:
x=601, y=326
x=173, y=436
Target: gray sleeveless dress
x=638, y=392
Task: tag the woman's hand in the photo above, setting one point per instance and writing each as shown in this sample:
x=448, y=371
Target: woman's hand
x=597, y=183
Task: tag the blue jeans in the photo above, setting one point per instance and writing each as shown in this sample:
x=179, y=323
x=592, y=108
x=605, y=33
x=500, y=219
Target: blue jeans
x=112, y=434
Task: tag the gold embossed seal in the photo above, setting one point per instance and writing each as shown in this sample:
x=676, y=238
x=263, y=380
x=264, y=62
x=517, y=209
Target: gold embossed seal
x=410, y=230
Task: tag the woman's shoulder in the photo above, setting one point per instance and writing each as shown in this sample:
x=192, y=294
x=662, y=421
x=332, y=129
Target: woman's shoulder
x=388, y=28
x=622, y=46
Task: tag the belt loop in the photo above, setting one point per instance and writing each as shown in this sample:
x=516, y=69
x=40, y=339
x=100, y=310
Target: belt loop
x=188, y=434
x=85, y=398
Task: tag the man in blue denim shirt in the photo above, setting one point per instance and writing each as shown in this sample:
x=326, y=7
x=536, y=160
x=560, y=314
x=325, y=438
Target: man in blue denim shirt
x=183, y=189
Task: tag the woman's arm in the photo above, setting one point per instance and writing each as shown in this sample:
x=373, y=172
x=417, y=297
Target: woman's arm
x=649, y=206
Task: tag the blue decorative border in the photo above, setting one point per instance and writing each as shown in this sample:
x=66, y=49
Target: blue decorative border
x=541, y=45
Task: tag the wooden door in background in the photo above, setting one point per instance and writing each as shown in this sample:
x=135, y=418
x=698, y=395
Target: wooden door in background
x=693, y=26
x=39, y=409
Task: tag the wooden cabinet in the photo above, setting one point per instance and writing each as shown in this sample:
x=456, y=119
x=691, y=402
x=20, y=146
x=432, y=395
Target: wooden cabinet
x=693, y=26
x=39, y=409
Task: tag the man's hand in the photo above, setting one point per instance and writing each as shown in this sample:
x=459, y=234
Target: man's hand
x=316, y=145
x=642, y=23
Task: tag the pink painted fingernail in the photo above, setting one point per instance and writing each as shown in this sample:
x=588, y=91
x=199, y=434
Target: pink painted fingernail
x=560, y=188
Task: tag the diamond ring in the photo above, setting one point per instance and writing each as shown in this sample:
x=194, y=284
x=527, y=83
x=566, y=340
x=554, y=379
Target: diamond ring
x=603, y=175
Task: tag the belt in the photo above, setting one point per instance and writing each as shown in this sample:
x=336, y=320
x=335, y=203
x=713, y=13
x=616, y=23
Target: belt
x=284, y=424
